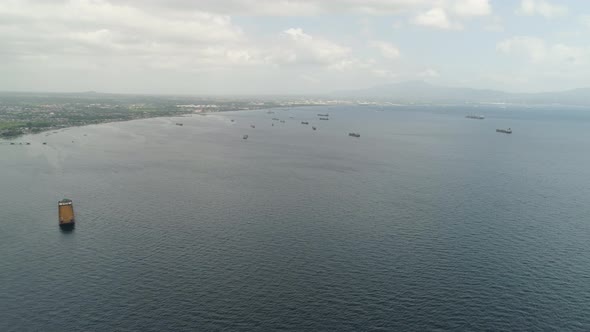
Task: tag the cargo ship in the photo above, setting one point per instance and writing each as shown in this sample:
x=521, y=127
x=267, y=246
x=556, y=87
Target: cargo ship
x=504, y=131
x=66, y=213
x=354, y=134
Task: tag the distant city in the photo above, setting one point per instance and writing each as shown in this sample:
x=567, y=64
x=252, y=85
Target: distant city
x=26, y=113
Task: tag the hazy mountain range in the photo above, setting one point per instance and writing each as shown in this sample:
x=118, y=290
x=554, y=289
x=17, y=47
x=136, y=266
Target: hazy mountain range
x=422, y=92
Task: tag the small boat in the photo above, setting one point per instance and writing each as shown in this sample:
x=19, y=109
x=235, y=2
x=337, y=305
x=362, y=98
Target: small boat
x=12, y=143
x=65, y=209
x=314, y=128
x=476, y=117
x=324, y=118
x=245, y=137
x=44, y=143
x=324, y=114
x=232, y=120
x=179, y=124
x=28, y=143
x=252, y=126
x=354, y=134
x=275, y=119
x=504, y=131
x=304, y=122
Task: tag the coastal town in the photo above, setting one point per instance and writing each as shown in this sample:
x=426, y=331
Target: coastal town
x=28, y=113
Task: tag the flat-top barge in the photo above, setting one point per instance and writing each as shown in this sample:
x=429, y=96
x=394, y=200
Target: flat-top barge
x=65, y=209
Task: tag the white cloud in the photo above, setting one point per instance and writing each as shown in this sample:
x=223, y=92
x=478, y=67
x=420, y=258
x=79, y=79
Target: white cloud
x=299, y=48
x=495, y=23
x=470, y=8
x=538, y=51
x=387, y=50
x=465, y=8
x=541, y=7
x=428, y=73
x=435, y=18
x=533, y=48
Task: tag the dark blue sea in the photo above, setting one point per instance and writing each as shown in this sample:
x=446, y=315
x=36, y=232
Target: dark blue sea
x=427, y=222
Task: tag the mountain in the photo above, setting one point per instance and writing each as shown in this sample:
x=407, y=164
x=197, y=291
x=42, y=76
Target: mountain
x=422, y=92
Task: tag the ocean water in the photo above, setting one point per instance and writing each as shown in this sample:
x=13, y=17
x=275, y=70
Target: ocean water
x=428, y=221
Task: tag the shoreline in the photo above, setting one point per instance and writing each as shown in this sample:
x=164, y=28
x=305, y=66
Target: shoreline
x=10, y=139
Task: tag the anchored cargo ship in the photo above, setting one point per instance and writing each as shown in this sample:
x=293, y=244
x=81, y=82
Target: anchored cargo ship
x=66, y=213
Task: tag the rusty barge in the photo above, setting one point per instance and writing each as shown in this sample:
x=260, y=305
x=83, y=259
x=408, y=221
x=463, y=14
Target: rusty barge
x=65, y=209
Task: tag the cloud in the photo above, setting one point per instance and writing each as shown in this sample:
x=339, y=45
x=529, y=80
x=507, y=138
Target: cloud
x=533, y=48
x=299, y=48
x=465, y=8
x=428, y=73
x=538, y=51
x=435, y=18
x=471, y=8
x=495, y=23
x=387, y=50
x=585, y=20
x=541, y=7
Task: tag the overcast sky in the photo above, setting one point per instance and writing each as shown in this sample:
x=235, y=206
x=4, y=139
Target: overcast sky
x=291, y=46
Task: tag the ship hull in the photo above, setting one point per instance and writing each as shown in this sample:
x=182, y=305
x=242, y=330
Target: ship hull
x=67, y=226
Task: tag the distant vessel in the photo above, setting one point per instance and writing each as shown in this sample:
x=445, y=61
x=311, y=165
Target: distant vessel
x=477, y=117
x=354, y=134
x=252, y=126
x=66, y=213
x=314, y=128
x=232, y=120
x=304, y=122
x=179, y=124
x=505, y=131
x=275, y=119
x=245, y=137
x=324, y=118
x=44, y=143
x=270, y=112
x=324, y=114
x=282, y=121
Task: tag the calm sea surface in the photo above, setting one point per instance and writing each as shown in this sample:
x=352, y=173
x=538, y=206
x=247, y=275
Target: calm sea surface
x=428, y=221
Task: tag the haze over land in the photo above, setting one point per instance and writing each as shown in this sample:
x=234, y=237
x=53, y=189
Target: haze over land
x=291, y=47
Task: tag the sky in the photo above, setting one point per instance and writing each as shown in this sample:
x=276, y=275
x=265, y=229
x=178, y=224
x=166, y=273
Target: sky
x=291, y=46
